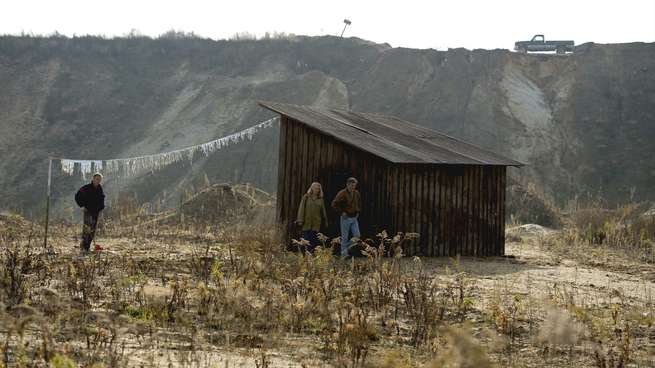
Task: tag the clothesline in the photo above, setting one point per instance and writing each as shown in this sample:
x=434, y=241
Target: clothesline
x=123, y=167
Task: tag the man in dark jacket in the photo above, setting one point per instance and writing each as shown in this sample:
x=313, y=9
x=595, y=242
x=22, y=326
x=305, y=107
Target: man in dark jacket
x=348, y=203
x=92, y=199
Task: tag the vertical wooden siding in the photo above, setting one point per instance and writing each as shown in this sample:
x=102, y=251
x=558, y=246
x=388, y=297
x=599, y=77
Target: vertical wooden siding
x=456, y=209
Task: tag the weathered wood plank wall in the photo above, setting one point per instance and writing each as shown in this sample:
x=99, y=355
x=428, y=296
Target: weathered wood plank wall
x=456, y=209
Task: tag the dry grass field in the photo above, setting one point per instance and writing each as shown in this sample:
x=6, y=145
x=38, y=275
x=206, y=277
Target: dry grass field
x=179, y=294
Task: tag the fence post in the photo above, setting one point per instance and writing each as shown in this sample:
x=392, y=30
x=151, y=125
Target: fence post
x=47, y=204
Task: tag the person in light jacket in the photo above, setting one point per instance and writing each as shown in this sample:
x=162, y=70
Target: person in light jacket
x=312, y=215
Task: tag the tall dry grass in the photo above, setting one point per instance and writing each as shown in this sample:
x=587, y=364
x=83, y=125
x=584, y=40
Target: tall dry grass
x=592, y=233
x=236, y=287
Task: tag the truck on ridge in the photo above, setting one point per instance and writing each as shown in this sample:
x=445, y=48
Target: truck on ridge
x=538, y=43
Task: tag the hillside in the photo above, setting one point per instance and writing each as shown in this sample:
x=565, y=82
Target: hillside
x=583, y=123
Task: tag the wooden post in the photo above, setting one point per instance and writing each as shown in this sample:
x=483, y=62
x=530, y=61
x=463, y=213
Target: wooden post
x=47, y=203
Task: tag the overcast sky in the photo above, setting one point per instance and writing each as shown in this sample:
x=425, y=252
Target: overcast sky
x=406, y=23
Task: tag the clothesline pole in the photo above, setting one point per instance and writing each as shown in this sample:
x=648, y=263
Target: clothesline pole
x=147, y=162
x=47, y=204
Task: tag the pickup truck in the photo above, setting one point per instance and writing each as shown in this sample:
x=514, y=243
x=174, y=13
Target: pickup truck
x=538, y=43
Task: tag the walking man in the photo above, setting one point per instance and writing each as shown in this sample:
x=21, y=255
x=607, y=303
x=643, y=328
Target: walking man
x=348, y=203
x=91, y=199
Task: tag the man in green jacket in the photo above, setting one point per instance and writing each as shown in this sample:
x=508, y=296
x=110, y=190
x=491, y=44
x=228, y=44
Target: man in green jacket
x=348, y=203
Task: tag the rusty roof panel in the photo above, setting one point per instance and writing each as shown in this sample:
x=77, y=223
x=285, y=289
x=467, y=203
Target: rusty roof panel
x=390, y=138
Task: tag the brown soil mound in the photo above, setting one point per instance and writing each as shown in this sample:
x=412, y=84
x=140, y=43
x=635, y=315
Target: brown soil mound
x=12, y=222
x=226, y=203
x=528, y=205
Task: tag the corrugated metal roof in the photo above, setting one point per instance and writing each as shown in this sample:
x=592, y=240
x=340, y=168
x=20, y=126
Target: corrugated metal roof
x=391, y=138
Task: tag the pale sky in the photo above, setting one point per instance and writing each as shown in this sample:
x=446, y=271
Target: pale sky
x=407, y=23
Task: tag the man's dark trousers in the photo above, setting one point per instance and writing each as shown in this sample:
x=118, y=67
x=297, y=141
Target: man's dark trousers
x=89, y=229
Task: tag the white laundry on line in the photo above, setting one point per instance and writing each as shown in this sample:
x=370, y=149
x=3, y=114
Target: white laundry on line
x=131, y=166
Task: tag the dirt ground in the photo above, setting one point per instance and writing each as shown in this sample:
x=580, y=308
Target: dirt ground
x=527, y=279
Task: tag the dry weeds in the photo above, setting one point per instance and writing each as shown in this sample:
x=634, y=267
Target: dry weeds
x=203, y=295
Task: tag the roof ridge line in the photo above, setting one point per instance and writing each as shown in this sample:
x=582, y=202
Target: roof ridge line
x=420, y=155
x=405, y=142
x=449, y=137
x=424, y=140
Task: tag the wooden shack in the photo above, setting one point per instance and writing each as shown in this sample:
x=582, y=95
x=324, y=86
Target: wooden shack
x=411, y=178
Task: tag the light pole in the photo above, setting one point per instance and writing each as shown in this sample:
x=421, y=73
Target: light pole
x=347, y=23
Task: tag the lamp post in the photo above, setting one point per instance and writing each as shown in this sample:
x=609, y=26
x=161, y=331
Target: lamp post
x=347, y=23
